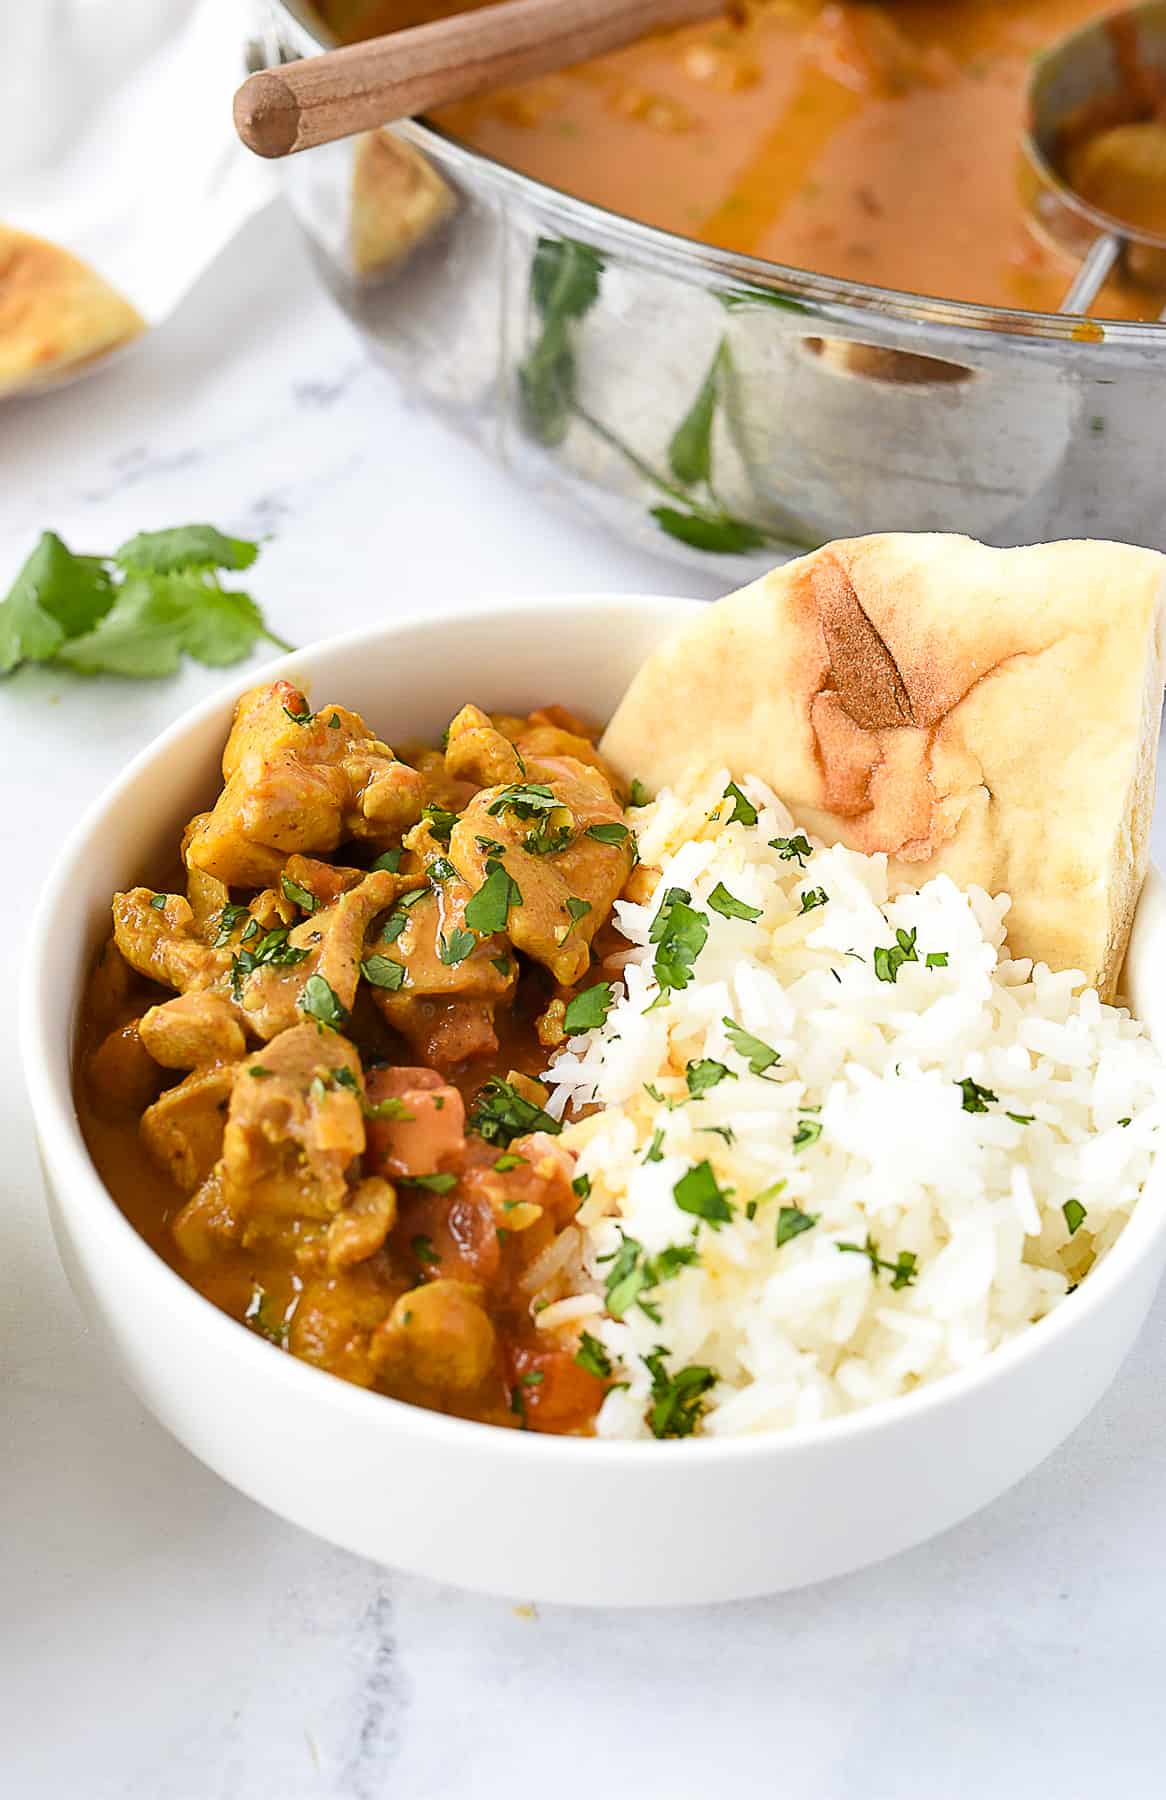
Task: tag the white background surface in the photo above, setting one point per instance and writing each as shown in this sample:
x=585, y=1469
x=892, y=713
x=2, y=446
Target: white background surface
x=161, y=1638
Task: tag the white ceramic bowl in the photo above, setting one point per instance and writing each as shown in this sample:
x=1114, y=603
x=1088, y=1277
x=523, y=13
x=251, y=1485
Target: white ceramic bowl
x=506, y=1511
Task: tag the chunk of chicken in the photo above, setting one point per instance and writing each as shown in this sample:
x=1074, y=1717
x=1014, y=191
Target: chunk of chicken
x=335, y=1320
x=424, y=1124
x=445, y=1006
x=193, y=1030
x=121, y=1074
x=299, y=781
x=184, y=1127
x=295, y=1127
x=498, y=826
x=163, y=943
x=360, y=1228
x=329, y=944
x=476, y=751
x=207, y=1226
x=439, y=1337
x=207, y=895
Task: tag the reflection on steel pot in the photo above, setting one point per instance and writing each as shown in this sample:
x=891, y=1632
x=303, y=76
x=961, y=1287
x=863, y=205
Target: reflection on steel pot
x=721, y=408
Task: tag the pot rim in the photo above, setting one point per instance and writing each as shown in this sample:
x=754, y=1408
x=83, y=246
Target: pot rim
x=801, y=289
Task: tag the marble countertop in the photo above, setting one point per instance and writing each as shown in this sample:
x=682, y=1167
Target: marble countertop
x=162, y=1638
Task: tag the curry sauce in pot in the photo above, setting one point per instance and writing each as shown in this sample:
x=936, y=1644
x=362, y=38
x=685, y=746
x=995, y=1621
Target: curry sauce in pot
x=876, y=142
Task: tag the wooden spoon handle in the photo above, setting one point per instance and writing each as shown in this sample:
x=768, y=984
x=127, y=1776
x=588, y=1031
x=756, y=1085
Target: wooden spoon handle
x=366, y=85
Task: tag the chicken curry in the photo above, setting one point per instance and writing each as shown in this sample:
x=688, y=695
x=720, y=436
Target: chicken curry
x=874, y=142
x=306, y=1068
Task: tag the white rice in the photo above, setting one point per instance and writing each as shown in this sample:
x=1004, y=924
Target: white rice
x=807, y=1330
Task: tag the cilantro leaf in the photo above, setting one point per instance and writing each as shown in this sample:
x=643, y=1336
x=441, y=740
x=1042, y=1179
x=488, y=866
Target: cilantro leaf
x=388, y=859
x=655, y=1150
x=807, y=1133
x=679, y=932
x=677, y=1400
x=814, y=897
x=487, y=912
x=440, y=821
x=699, y=1192
x=888, y=961
x=592, y=1356
x=588, y=1010
x=793, y=849
x=500, y=1114
x=706, y=1073
x=185, y=547
x=1074, y=1216
x=975, y=1097
x=435, y=1184
x=717, y=533
x=744, y=812
x=759, y=1055
x=729, y=906
x=55, y=596
x=690, y=453
x=613, y=833
x=791, y=1222
x=320, y=1002
x=902, y=1271
x=638, y=794
x=383, y=972
x=299, y=896
x=456, y=947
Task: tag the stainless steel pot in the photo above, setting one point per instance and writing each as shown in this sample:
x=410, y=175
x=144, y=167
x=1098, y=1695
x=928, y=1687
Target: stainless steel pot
x=711, y=405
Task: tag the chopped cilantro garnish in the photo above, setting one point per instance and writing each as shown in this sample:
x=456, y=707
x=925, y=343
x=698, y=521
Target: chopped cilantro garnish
x=490, y=846
x=257, y=1315
x=729, y=906
x=423, y=1250
x=436, y=1184
x=454, y=949
x=334, y=722
x=699, y=1192
x=770, y=1193
x=814, y=897
x=582, y=1187
x=592, y=1356
x=532, y=1378
x=578, y=909
x=807, y=1133
x=679, y=932
x=300, y=718
x=299, y=896
x=441, y=869
x=320, y=1003
x=888, y=962
x=902, y=1271
x=441, y=822
x=637, y=793
x=258, y=1072
x=158, y=902
x=588, y=1010
x=383, y=972
x=273, y=949
x=677, y=1400
x=793, y=849
x=607, y=834
x=1125, y=1121
x=487, y=912
x=507, y=1161
x=759, y=1056
x=500, y=1114
x=937, y=959
x=706, y=1073
x=548, y=837
x=228, y=919
x=389, y=1108
x=1021, y=1118
x=1074, y=1215
x=791, y=1222
x=724, y=1132
x=975, y=1097
x=655, y=1150
x=526, y=800
x=346, y=1079
x=502, y=964
x=744, y=812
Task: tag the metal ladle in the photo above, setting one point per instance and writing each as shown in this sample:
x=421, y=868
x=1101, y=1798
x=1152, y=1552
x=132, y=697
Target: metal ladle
x=1086, y=67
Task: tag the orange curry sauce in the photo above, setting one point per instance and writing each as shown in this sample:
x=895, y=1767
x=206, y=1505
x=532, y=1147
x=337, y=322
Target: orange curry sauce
x=877, y=142
x=327, y=1186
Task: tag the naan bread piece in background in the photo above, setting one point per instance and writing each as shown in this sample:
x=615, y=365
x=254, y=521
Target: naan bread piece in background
x=987, y=714
x=55, y=312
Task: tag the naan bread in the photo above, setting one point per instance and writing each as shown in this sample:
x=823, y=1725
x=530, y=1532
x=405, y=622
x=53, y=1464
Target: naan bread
x=397, y=199
x=987, y=714
x=55, y=312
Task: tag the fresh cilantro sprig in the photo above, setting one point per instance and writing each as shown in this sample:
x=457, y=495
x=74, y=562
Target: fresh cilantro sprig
x=500, y=1114
x=137, y=612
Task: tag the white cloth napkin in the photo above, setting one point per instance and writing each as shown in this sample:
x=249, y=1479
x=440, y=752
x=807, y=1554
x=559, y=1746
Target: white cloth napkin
x=116, y=139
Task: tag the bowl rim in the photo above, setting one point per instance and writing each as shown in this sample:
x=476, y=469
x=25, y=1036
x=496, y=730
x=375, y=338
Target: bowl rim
x=812, y=292
x=49, y=1078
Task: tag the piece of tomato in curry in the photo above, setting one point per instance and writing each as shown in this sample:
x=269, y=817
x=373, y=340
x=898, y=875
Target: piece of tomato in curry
x=306, y=1066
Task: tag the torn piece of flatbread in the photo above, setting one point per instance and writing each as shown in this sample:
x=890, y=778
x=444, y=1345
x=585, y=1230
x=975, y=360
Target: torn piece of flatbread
x=397, y=199
x=987, y=714
x=55, y=312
